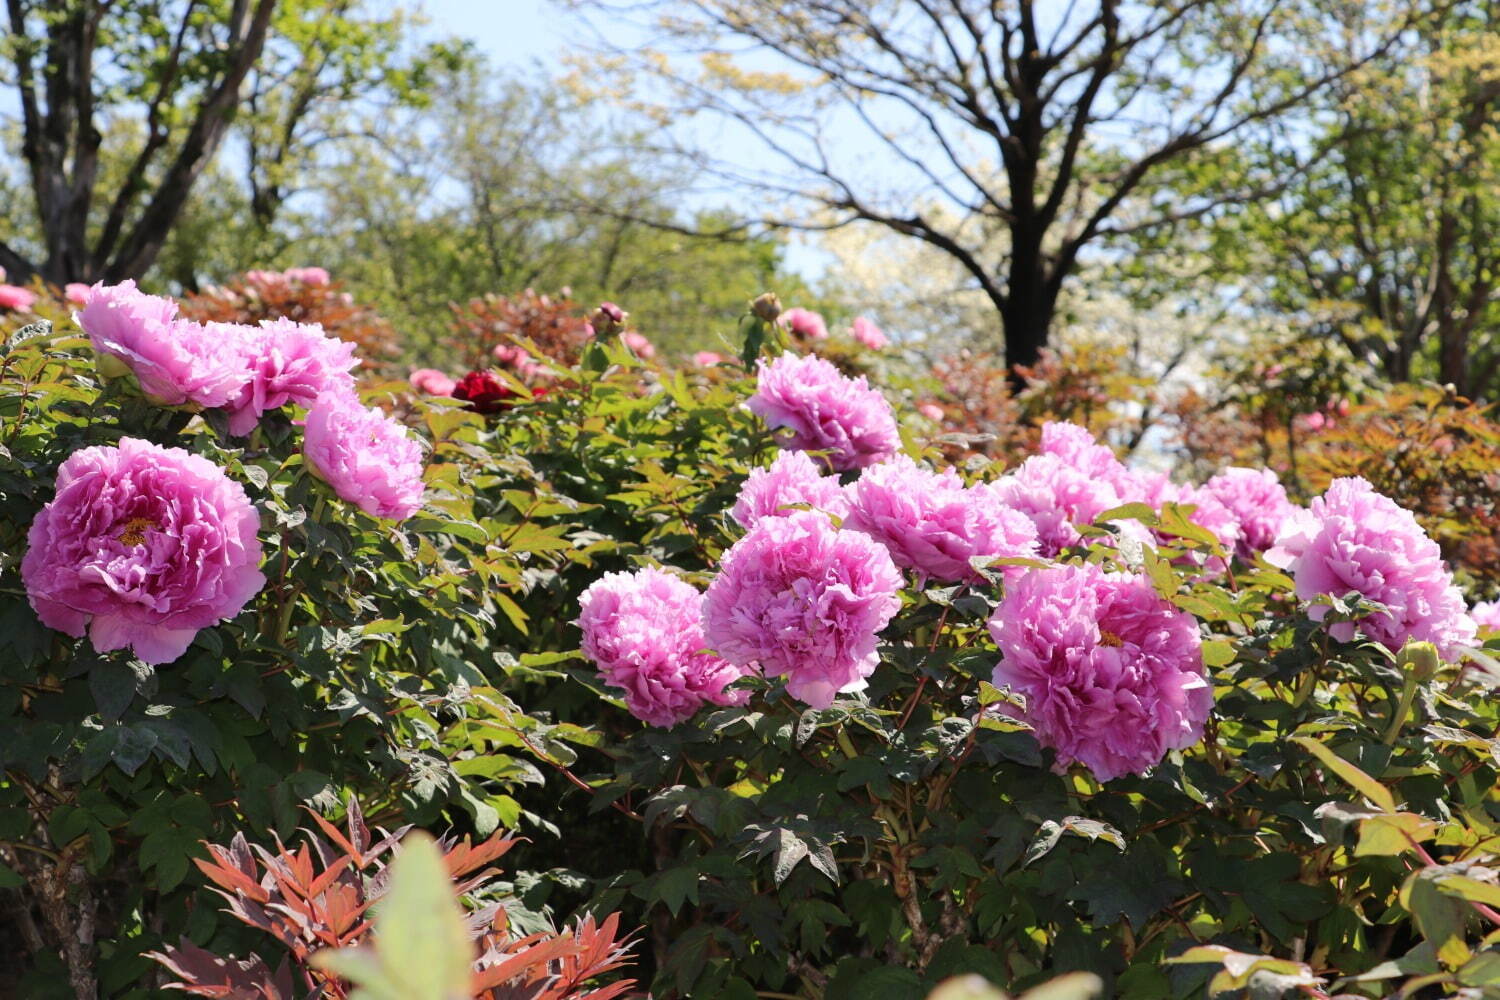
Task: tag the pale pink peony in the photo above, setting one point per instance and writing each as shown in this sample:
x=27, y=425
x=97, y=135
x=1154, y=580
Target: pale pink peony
x=867, y=333
x=791, y=479
x=316, y=277
x=177, y=362
x=1258, y=502
x=432, y=382
x=141, y=547
x=1078, y=449
x=76, y=292
x=1353, y=539
x=366, y=457
x=16, y=298
x=707, y=359
x=1056, y=496
x=1112, y=674
x=1486, y=615
x=817, y=408
x=289, y=363
x=644, y=630
x=642, y=347
x=516, y=358
x=932, y=412
x=799, y=598
x=931, y=523
x=804, y=323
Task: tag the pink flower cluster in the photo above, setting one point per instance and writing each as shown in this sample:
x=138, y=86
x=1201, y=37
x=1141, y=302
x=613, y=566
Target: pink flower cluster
x=645, y=632
x=248, y=371
x=141, y=547
x=816, y=408
x=798, y=598
x=1354, y=540
x=1112, y=674
x=933, y=524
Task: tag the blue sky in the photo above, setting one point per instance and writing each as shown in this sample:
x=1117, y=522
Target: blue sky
x=513, y=32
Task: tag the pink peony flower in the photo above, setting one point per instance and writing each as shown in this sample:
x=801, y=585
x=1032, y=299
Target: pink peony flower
x=1258, y=502
x=1486, y=615
x=366, y=457
x=432, y=382
x=1353, y=539
x=644, y=630
x=791, y=479
x=804, y=324
x=817, y=408
x=1056, y=496
x=930, y=522
x=177, y=362
x=289, y=363
x=316, y=277
x=867, y=333
x=799, y=598
x=639, y=344
x=1080, y=451
x=932, y=412
x=1112, y=674
x=707, y=359
x=516, y=358
x=76, y=292
x=142, y=546
x=1208, y=512
x=16, y=298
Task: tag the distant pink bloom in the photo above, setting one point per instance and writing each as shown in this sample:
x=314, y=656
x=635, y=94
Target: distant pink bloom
x=76, y=292
x=176, y=361
x=1314, y=422
x=368, y=458
x=1354, y=540
x=1112, y=673
x=791, y=479
x=639, y=344
x=804, y=323
x=142, y=546
x=932, y=412
x=16, y=298
x=1258, y=501
x=516, y=358
x=931, y=523
x=1080, y=451
x=867, y=333
x=268, y=278
x=799, y=598
x=707, y=359
x=644, y=630
x=1057, y=497
x=1486, y=615
x=289, y=363
x=815, y=407
x=432, y=382
x=314, y=276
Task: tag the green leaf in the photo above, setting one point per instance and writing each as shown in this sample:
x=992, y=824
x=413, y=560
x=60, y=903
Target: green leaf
x=422, y=949
x=1366, y=785
x=1394, y=833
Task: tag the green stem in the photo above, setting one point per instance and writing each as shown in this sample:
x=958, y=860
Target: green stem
x=1408, y=694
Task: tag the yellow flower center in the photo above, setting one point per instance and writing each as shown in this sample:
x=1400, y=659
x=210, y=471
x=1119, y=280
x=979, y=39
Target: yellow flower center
x=1109, y=638
x=135, y=530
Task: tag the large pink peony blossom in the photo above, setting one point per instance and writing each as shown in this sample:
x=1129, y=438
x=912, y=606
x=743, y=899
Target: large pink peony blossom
x=1112, y=674
x=289, y=363
x=816, y=408
x=644, y=630
x=1258, y=502
x=791, y=479
x=930, y=522
x=1353, y=539
x=176, y=361
x=142, y=546
x=1080, y=451
x=799, y=598
x=1056, y=496
x=804, y=324
x=867, y=333
x=366, y=456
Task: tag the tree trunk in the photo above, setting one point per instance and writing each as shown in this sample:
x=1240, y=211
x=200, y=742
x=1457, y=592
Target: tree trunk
x=1030, y=302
